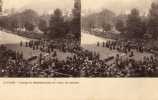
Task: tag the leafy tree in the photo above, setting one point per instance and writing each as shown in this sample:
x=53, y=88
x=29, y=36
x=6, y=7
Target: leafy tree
x=56, y=25
x=106, y=26
x=90, y=23
x=29, y=26
x=120, y=26
x=76, y=24
x=1, y=4
x=66, y=27
x=3, y=21
x=153, y=20
x=134, y=24
x=29, y=19
x=43, y=25
x=14, y=21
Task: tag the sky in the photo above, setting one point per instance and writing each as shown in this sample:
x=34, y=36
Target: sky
x=117, y=6
x=39, y=5
x=88, y=6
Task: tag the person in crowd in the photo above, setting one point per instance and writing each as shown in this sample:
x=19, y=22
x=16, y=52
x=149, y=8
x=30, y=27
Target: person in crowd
x=83, y=63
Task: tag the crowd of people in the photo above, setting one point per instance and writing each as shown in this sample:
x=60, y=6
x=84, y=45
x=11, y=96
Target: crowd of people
x=126, y=47
x=82, y=63
x=47, y=46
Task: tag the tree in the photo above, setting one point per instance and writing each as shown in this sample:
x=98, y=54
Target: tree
x=29, y=26
x=4, y=21
x=29, y=19
x=14, y=21
x=120, y=26
x=43, y=25
x=91, y=23
x=153, y=20
x=134, y=24
x=66, y=27
x=56, y=25
x=76, y=24
x=1, y=6
x=106, y=26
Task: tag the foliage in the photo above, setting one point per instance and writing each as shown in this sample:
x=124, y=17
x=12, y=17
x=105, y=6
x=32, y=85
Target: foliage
x=153, y=20
x=56, y=24
x=120, y=26
x=134, y=24
x=106, y=26
x=76, y=21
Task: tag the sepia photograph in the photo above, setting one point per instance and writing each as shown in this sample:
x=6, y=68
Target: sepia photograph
x=121, y=38
x=78, y=38
x=39, y=39
x=78, y=49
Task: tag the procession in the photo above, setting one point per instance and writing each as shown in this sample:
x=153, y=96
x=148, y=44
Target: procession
x=68, y=43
